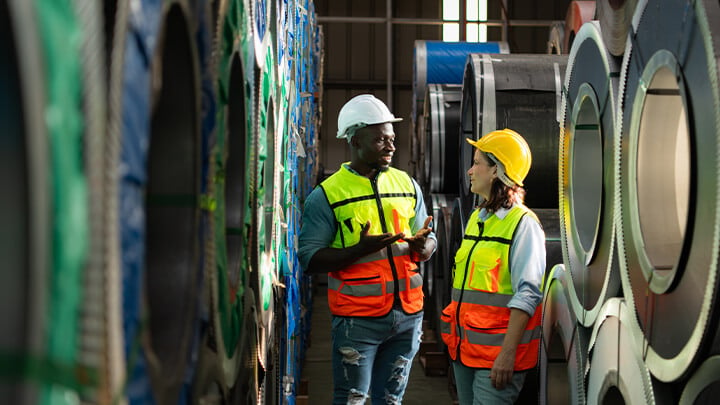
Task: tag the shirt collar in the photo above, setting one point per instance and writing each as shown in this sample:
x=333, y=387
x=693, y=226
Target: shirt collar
x=501, y=213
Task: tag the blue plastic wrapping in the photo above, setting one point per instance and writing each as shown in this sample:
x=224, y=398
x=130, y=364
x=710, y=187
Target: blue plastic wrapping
x=142, y=35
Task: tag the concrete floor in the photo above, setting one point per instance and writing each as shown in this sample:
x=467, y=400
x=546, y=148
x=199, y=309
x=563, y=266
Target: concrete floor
x=318, y=364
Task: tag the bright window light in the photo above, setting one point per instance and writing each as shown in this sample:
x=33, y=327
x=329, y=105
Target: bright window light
x=476, y=11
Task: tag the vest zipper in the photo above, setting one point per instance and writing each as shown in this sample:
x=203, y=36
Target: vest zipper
x=383, y=224
x=481, y=228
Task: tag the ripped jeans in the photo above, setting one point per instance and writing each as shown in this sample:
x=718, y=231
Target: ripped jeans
x=372, y=356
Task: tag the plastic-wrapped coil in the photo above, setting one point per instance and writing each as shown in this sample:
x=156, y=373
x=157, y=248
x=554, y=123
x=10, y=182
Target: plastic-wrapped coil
x=25, y=209
x=160, y=193
x=668, y=216
x=615, y=18
x=586, y=173
x=564, y=344
x=441, y=128
x=556, y=38
x=437, y=272
x=233, y=302
x=617, y=373
x=703, y=386
x=261, y=15
x=94, y=314
x=267, y=212
x=578, y=13
x=521, y=92
x=443, y=63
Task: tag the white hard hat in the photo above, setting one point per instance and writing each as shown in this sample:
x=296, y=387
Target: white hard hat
x=361, y=111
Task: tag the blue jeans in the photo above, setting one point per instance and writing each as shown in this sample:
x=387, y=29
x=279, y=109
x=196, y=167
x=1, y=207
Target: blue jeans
x=475, y=388
x=373, y=356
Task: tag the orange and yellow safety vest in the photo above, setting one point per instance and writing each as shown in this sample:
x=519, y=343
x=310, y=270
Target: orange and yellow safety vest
x=371, y=285
x=474, y=324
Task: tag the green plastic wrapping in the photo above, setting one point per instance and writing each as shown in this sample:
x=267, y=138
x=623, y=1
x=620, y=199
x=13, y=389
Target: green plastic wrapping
x=62, y=39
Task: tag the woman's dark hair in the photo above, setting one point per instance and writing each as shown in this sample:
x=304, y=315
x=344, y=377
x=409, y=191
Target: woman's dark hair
x=501, y=195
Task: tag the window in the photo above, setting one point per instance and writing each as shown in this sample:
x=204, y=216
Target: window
x=476, y=11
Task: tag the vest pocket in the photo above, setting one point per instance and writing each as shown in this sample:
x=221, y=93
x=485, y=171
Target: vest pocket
x=484, y=270
x=485, y=334
x=448, y=328
x=362, y=291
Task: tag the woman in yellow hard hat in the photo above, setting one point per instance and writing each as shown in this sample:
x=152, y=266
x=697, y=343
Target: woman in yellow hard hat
x=492, y=324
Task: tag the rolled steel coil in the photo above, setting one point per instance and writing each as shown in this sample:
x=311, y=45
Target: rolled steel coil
x=703, y=387
x=578, y=13
x=586, y=173
x=617, y=372
x=438, y=270
x=261, y=16
x=667, y=211
x=160, y=199
x=441, y=128
x=438, y=62
x=521, y=92
x=556, y=39
x=615, y=17
x=233, y=301
x=564, y=344
x=26, y=205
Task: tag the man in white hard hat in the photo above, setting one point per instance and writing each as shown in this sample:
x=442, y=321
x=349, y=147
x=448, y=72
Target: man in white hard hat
x=367, y=227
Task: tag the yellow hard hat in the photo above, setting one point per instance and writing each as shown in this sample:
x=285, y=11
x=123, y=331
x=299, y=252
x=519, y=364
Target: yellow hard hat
x=510, y=149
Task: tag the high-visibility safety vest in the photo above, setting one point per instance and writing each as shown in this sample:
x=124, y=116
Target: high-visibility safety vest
x=371, y=285
x=474, y=324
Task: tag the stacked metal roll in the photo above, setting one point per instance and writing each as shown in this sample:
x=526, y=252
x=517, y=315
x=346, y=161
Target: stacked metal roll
x=158, y=200
x=521, y=92
x=667, y=203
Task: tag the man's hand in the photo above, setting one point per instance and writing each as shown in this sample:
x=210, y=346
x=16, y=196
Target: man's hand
x=418, y=242
x=372, y=243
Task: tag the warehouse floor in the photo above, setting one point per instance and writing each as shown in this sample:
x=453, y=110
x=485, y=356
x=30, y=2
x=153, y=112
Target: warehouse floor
x=318, y=363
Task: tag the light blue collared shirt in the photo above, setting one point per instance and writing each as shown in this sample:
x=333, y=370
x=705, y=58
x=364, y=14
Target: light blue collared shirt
x=527, y=261
x=319, y=226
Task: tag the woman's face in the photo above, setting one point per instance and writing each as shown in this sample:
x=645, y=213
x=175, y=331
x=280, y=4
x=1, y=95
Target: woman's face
x=482, y=174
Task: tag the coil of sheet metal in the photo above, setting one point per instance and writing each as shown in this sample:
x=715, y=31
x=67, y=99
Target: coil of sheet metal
x=437, y=269
x=441, y=128
x=556, y=39
x=586, y=173
x=667, y=170
x=564, y=344
x=615, y=17
x=160, y=182
x=578, y=13
x=521, y=92
x=703, y=386
x=617, y=372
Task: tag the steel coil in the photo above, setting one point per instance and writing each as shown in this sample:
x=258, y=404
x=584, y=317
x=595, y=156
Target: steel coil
x=615, y=17
x=564, y=344
x=617, y=372
x=437, y=270
x=233, y=305
x=703, y=387
x=521, y=92
x=556, y=39
x=586, y=173
x=25, y=208
x=578, y=13
x=441, y=128
x=438, y=62
x=160, y=193
x=668, y=216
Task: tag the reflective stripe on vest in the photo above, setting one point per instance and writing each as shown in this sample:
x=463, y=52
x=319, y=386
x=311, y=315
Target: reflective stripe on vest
x=475, y=323
x=367, y=287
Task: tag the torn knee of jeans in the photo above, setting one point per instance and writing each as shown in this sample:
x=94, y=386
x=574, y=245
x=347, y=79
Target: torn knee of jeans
x=398, y=373
x=356, y=397
x=391, y=399
x=350, y=356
